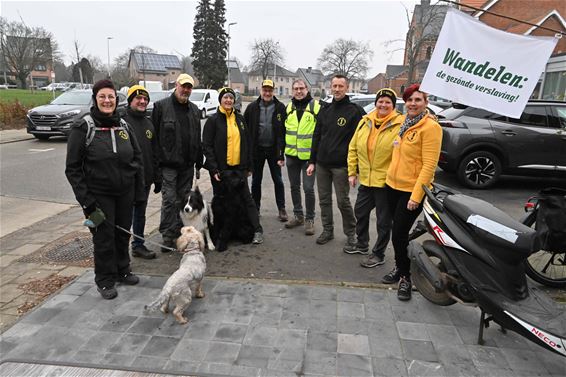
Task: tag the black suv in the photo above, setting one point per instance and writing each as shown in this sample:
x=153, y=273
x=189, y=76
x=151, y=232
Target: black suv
x=57, y=117
x=479, y=145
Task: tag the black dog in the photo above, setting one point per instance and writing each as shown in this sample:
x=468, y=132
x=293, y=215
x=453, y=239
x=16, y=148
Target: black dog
x=230, y=214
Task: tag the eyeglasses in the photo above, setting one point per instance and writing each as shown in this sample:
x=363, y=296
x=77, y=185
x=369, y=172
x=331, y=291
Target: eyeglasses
x=102, y=97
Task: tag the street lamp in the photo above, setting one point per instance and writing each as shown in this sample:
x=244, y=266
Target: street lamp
x=108, y=48
x=228, y=60
x=275, y=68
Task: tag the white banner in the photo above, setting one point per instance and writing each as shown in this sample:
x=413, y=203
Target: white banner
x=477, y=65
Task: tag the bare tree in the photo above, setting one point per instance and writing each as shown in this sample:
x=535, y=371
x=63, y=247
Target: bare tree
x=24, y=48
x=424, y=27
x=265, y=53
x=346, y=57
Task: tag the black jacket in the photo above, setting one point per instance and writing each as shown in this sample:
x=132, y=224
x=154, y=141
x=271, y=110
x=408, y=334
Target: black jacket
x=334, y=129
x=251, y=117
x=141, y=125
x=215, y=143
x=96, y=169
x=172, y=139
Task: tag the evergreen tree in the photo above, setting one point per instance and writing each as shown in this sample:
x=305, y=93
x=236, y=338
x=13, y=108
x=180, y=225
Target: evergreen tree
x=210, y=44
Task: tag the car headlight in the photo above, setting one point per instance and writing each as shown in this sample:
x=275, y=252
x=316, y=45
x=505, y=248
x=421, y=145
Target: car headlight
x=69, y=114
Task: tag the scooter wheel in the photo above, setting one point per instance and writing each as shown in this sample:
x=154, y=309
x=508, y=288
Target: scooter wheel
x=427, y=289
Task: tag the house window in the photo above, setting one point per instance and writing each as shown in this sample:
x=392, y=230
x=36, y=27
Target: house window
x=40, y=67
x=428, y=52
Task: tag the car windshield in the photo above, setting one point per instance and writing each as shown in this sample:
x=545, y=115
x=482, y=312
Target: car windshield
x=196, y=96
x=452, y=113
x=73, y=98
x=156, y=96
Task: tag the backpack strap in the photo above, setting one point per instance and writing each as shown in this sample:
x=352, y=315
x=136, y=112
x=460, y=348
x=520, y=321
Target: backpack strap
x=91, y=129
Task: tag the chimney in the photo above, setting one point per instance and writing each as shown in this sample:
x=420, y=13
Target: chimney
x=309, y=69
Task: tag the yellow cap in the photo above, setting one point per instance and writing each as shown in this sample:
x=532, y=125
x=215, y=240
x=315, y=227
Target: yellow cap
x=137, y=90
x=267, y=83
x=185, y=79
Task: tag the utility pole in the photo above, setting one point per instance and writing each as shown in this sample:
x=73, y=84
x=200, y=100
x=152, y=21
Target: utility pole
x=108, y=48
x=228, y=60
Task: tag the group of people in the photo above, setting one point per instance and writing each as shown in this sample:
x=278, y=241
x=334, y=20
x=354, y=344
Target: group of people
x=112, y=162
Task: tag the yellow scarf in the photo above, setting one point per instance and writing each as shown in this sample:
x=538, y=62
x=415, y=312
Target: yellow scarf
x=372, y=138
x=233, y=138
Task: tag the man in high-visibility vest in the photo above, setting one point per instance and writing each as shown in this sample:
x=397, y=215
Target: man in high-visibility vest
x=302, y=113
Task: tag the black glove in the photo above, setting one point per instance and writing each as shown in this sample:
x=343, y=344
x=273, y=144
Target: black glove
x=157, y=187
x=197, y=174
x=95, y=218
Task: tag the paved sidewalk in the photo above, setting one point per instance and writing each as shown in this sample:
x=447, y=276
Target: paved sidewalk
x=261, y=328
x=10, y=136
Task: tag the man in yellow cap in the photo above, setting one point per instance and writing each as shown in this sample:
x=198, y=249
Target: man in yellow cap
x=265, y=118
x=136, y=116
x=177, y=127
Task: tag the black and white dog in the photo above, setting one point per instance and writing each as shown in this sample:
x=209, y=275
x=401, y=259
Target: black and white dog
x=198, y=214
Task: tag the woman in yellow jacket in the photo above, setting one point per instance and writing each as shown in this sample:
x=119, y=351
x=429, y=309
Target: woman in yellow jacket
x=369, y=156
x=415, y=156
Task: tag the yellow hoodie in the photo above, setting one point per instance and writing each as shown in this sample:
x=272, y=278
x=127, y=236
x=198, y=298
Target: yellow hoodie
x=372, y=171
x=233, y=138
x=415, y=157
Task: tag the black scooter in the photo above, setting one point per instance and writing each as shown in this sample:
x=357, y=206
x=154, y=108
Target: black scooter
x=477, y=258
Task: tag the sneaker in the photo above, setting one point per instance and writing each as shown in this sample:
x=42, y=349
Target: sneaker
x=295, y=222
x=108, y=293
x=324, y=237
x=128, y=279
x=372, y=261
x=353, y=249
x=258, y=238
x=404, y=289
x=143, y=252
x=309, y=227
x=283, y=215
x=167, y=245
x=392, y=277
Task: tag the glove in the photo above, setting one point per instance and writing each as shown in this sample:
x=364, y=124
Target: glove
x=95, y=218
x=197, y=174
x=157, y=187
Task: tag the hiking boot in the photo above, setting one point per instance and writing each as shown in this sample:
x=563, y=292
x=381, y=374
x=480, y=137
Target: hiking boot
x=142, y=252
x=167, y=244
x=392, y=277
x=404, y=289
x=372, y=261
x=128, y=279
x=283, y=215
x=324, y=237
x=295, y=222
x=258, y=238
x=108, y=293
x=309, y=227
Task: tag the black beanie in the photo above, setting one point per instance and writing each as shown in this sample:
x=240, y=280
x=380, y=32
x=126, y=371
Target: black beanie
x=387, y=92
x=225, y=90
x=102, y=84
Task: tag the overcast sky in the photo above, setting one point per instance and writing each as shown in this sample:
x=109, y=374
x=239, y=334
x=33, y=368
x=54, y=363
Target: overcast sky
x=303, y=28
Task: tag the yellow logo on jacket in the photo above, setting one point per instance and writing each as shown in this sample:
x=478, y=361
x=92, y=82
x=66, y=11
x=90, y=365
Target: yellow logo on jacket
x=149, y=134
x=279, y=117
x=341, y=121
x=412, y=136
x=123, y=134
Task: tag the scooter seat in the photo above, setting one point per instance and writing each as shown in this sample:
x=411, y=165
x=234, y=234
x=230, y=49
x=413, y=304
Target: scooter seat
x=493, y=227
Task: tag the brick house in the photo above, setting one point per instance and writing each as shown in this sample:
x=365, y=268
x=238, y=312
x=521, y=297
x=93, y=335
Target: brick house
x=155, y=67
x=282, y=77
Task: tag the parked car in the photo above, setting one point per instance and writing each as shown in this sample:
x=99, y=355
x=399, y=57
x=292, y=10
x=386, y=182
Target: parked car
x=206, y=100
x=56, y=86
x=400, y=106
x=479, y=146
x=57, y=117
x=155, y=96
x=363, y=99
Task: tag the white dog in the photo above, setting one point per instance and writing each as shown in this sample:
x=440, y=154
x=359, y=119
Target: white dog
x=190, y=273
x=197, y=213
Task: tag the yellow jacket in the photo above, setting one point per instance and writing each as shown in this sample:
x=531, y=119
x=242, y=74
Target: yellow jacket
x=372, y=171
x=415, y=158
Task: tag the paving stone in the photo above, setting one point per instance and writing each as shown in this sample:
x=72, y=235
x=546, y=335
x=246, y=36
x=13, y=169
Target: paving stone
x=100, y=341
x=469, y=335
x=272, y=319
x=226, y=288
x=460, y=318
x=290, y=338
x=523, y=360
x=160, y=346
x=119, y=323
x=419, y=350
x=241, y=370
x=353, y=344
x=20, y=331
x=412, y=331
x=380, y=311
x=350, y=309
x=443, y=335
x=299, y=291
x=286, y=359
x=388, y=367
x=149, y=363
x=261, y=336
x=320, y=362
x=132, y=308
x=220, y=352
x=71, y=271
x=350, y=295
x=214, y=368
x=511, y=340
x=321, y=324
x=10, y=292
x=145, y=326
x=277, y=373
x=116, y=359
x=552, y=362
x=190, y=350
x=324, y=293
x=424, y=368
x=41, y=315
x=356, y=326
x=129, y=344
x=66, y=346
x=40, y=346
x=31, y=275
x=170, y=327
x=240, y=316
x=353, y=365
x=449, y=354
x=87, y=357
x=254, y=356
x=229, y=332
x=25, y=249
x=487, y=357
x=323, y=308
x=297, y=305
x=181, y=366
x=383, y=344
x=6, y=346
x=88, y=302
x=375, y=296
x=325, y=342
x=201, y=330
x=13, y=307
x=76, y=289
x=92, y=320
x=6, y=278
x=6, y=260
x=462, y=370
x=66, y=318
x=293, y=320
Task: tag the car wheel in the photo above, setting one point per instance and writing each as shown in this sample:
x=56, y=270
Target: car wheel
x=41, y=137
x=479, y=170
x=203, y=113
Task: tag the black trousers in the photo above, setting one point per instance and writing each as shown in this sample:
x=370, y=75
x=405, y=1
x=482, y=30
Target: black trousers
x=403, y=220
x=111, y=257
x=369, y=198
x=261, y=155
